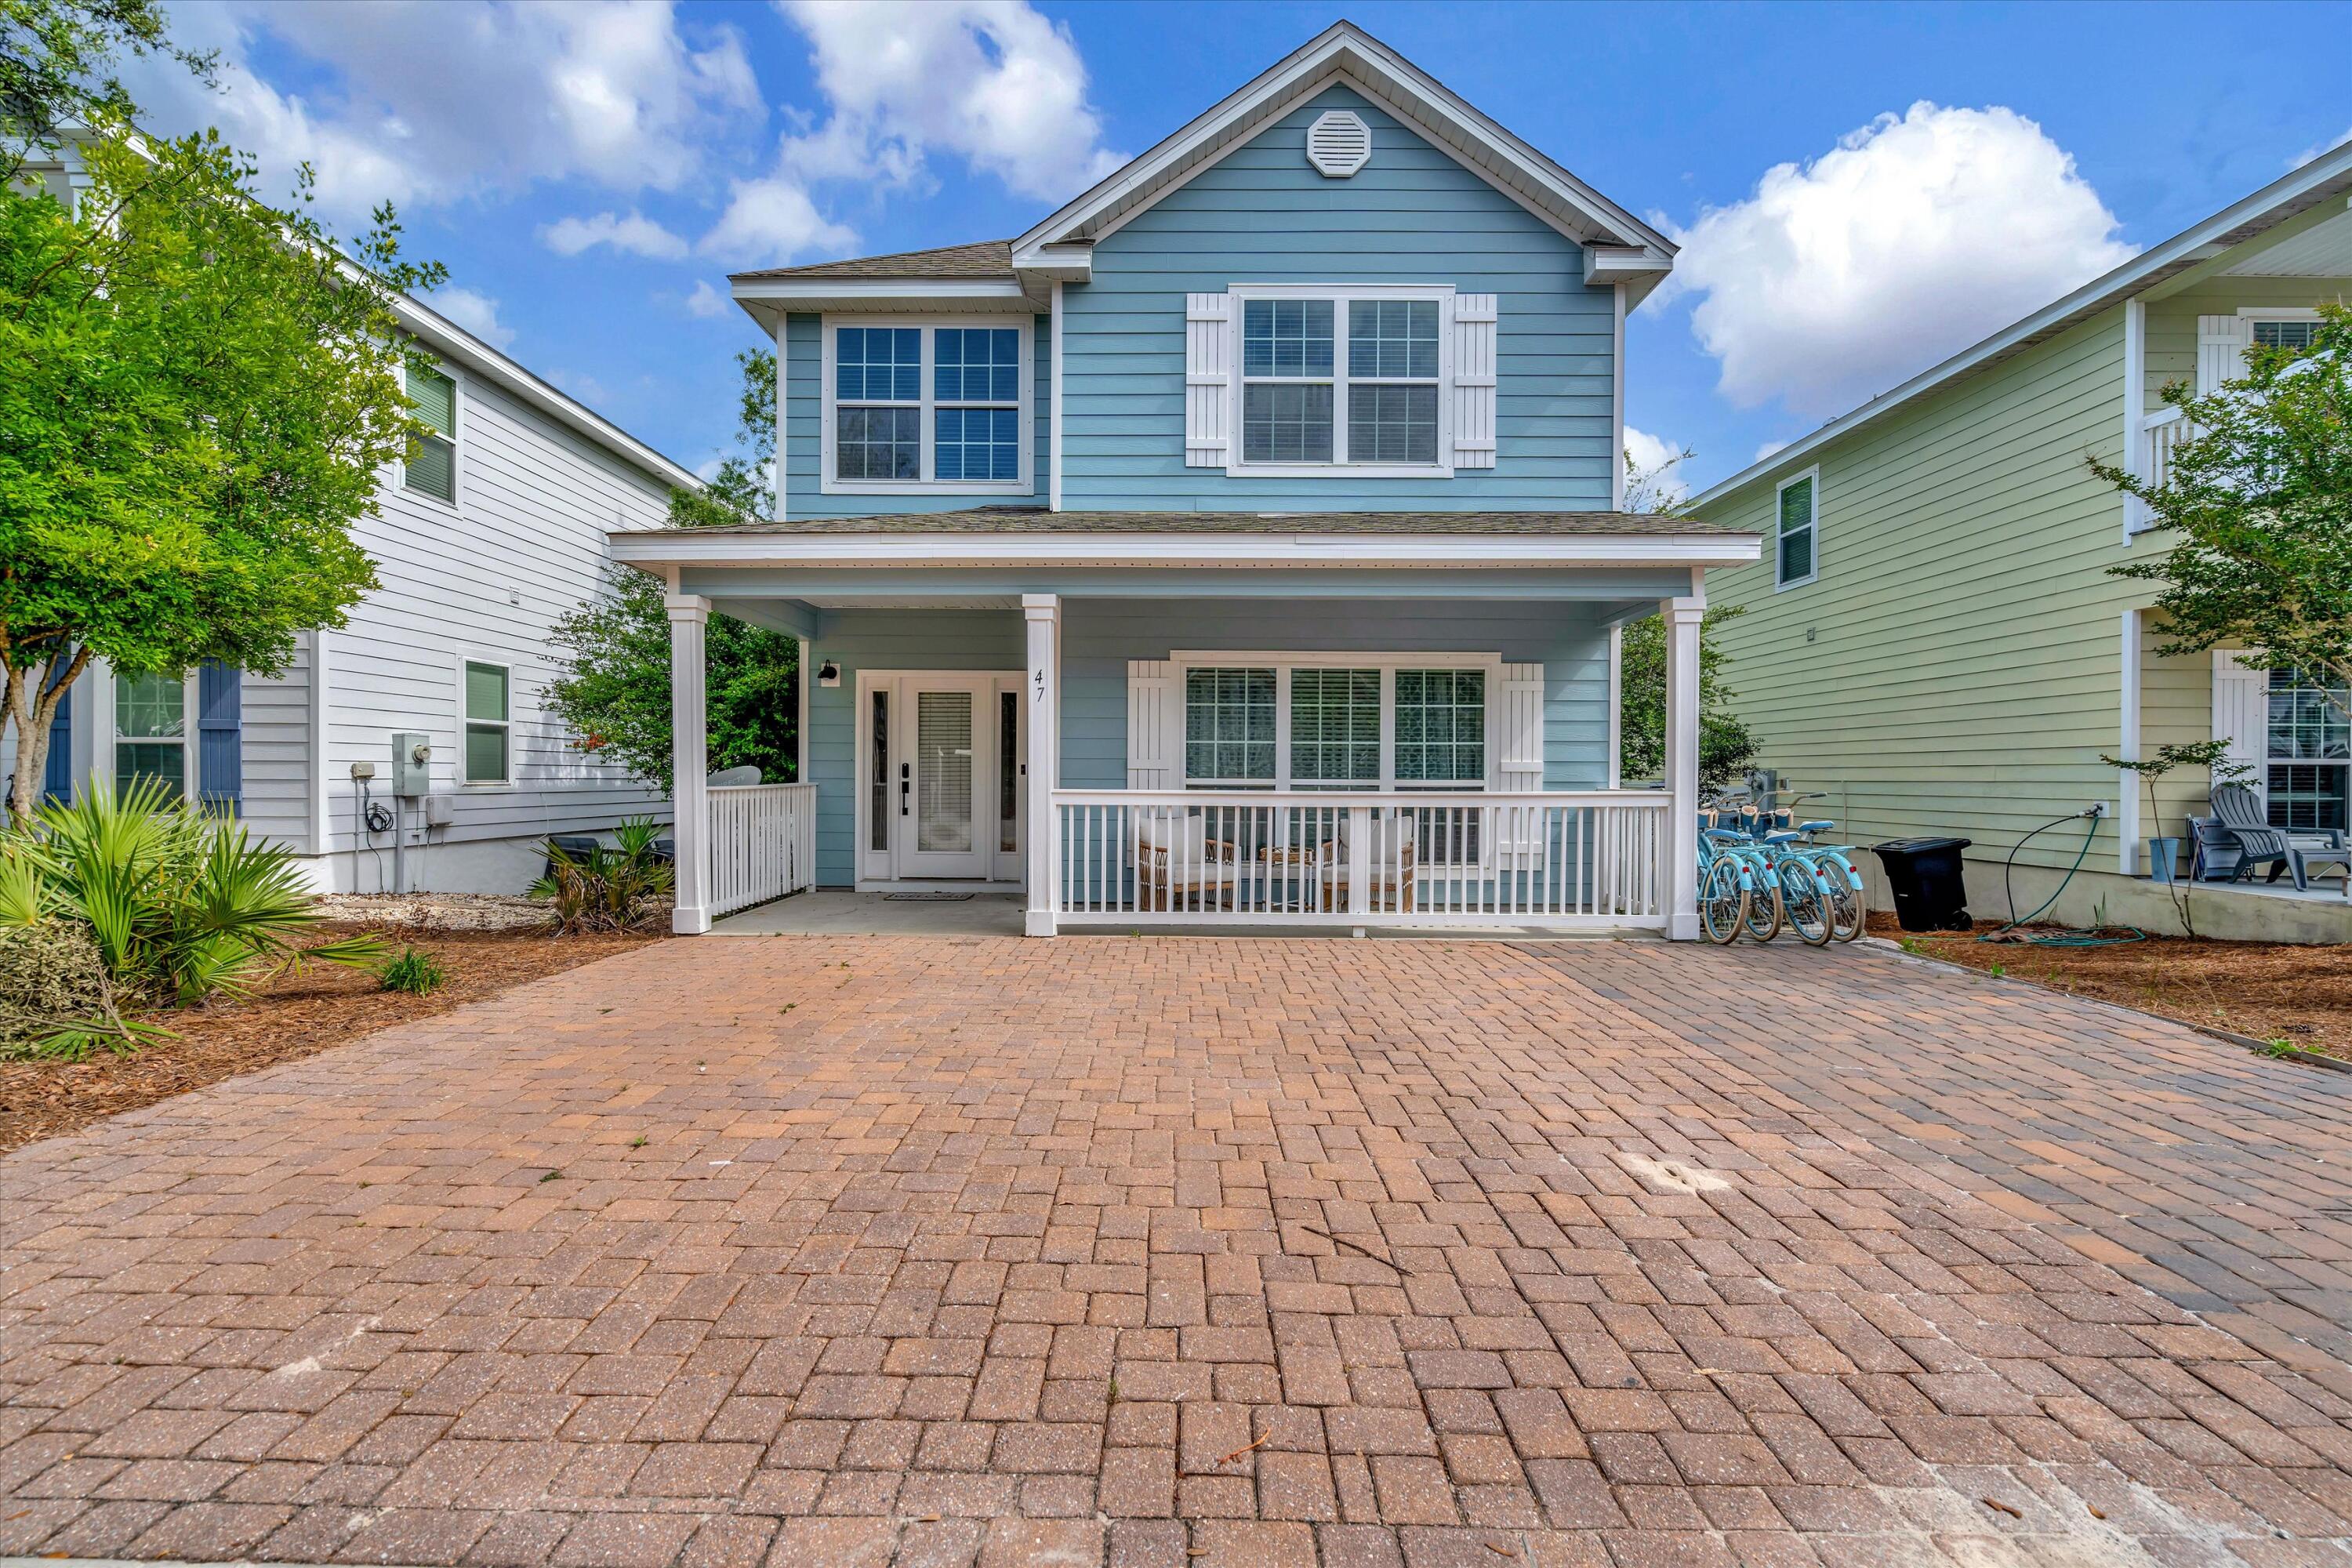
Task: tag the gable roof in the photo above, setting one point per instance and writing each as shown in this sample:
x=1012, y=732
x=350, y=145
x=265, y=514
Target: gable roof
x=1345, y=52
x=2325, y=178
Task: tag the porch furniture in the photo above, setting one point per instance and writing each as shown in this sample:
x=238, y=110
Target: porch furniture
x=2259, y=843
x=1390, y=876
x=1176, y=860
x=2213, y=857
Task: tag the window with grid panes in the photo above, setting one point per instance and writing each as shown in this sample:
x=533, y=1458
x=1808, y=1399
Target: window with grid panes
x=1334, y=726
x=1229, y=726
x=2308, y=769
x=976, y=402
x=877, y=402
x=1441, y=727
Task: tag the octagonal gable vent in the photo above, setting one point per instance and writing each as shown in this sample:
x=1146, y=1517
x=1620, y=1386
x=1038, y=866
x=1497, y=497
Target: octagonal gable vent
x=1338, y=143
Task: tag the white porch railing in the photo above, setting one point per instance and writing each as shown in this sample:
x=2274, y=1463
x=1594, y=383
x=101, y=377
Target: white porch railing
x=2164, y=431
x=1345, y=857
x=762, y=843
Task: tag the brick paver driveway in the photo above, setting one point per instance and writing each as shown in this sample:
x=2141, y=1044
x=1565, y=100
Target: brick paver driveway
x=1192, y=1252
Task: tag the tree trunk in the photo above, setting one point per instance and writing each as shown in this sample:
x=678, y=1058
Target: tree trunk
x=31, y=705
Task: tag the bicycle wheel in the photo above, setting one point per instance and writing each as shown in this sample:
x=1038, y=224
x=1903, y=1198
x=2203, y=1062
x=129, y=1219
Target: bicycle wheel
x=1764, y=913
x=1722, y=901
x=1849, y=903
x=1807, y=910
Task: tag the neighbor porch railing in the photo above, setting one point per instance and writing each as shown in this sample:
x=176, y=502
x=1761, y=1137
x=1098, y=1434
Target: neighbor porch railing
x=762, y=843
x=1344, y=858
x=2164, y=431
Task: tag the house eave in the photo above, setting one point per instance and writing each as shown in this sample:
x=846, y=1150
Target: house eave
x=722, y=547
x=766, y=300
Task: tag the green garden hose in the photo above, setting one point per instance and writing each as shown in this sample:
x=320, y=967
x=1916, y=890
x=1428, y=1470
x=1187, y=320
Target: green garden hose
x=2072, y=936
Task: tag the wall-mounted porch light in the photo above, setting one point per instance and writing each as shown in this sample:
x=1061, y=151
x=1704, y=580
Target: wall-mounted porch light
x=828, y=674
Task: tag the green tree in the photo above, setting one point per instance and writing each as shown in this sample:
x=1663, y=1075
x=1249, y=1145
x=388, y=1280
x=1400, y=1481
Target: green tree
x=1725, y=746
x=57, y=66
x=614, y=695
x=198, y=392
x=2260, y=499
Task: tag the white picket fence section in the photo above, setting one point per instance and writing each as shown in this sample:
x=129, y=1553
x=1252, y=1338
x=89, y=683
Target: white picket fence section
x=2165, y=432
x=762, y=843
x=1346, y=858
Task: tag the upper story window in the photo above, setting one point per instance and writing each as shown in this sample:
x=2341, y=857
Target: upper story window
x=1796, y=555
x=1342, y=379
x=431, y=466
x=2285, y=334
x=926, y=405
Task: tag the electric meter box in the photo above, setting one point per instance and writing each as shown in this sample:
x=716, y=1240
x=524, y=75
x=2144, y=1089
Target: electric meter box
x=411, y=766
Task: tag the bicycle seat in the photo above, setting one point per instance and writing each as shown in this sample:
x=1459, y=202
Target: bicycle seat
x=1815, y=826
x=1723, y=835
x=1784, y=837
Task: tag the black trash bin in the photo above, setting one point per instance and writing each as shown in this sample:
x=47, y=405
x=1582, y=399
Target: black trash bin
x=1930, y=894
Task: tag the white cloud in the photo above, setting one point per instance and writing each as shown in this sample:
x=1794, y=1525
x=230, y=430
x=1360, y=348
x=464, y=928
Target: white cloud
x=1650, y=471
x=1767, y=448
x=635, y=233
x=580, y=385
x=992, y=81
x=477, y=313
x=769, y=222
x=2308, y=153
x=706, y=301
x=434, y=103
x=1915, y=236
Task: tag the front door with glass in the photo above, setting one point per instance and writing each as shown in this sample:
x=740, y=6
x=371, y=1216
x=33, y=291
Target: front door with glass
x=943, y=794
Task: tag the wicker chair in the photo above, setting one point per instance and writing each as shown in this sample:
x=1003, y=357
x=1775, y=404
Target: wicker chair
x=1177, y=861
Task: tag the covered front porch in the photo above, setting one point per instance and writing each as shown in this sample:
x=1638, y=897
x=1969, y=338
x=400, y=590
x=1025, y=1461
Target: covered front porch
x=1356, y=744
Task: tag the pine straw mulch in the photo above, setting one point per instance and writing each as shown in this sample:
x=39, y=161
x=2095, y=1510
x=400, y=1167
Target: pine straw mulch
x=2267, y=990
x=298, y=1014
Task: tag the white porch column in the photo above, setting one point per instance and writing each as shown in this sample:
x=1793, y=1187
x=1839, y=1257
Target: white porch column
x=1043, y=613
x=1683, y=618
x=690, y=763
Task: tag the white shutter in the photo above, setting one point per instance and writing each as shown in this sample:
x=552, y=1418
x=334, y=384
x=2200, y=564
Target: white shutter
x=2220, y=351
x=2242, y=715
x=1155, y=725
x=1474, y=381
x=1518, y=729
x=1208, y=379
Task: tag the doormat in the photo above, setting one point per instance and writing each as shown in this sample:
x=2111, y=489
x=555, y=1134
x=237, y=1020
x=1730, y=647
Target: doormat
x=925, y=898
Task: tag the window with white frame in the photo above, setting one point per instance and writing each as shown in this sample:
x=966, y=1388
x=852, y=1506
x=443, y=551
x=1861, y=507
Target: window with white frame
x=1401, y=723
x=1796, y=509
x=915, y=405
x=2308, y=754
x=150, y=733
x=2268, y=333
x=488, y=752
x=431, y=467
x=1342, y=379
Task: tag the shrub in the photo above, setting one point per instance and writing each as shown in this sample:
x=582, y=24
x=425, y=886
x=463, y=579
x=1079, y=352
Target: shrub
x=414, y=971
x=608, y=888
x=51, y=979
x=180, y=906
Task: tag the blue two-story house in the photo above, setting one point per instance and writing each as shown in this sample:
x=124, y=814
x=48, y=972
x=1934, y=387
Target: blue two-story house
x=1240, y=545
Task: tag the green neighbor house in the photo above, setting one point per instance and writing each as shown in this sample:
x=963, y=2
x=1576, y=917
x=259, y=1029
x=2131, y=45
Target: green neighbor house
x=1932, y=639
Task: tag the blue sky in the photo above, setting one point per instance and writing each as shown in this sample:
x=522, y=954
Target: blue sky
x=1860, y=189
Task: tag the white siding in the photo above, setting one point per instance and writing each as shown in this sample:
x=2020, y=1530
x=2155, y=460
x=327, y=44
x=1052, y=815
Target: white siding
x=276, y=753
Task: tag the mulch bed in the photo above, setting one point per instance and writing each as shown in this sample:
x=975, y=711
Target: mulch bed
x=321, y=1006
x=2270, y=991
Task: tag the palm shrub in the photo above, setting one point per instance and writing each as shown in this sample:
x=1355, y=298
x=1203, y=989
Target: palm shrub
x=606, y=888
x=182, y=906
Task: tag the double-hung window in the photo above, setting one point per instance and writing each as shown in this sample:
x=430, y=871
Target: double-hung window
x=1369, y=722
x=1797, y=529
x=150, y=733
x=490, y=750
x=431, y=467
x=912, y=407
x=1342, y=380
x=2308, y=760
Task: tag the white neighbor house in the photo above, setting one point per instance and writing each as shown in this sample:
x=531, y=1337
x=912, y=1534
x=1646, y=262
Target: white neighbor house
x=481, y=543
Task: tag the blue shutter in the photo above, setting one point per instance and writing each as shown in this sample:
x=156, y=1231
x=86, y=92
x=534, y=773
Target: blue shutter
x=57, y=780
x=220, y=746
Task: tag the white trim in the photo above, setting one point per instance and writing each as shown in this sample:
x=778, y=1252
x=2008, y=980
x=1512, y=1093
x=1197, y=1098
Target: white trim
x=2137, y=516
x=725, y=547
x=466, y=723
x=1348, y=161
x=1041, y=685
x=2186, y=248
x=1342, y=296
x=877, y=868
x=321, y=695
x=930, y=326
x=1813, y=527
x=2279, y=312
x=801, y=675
x=851, y=293
x=1053, y=420
x=1617, y=401
x=2127, y=823
x=1616, y=706
x=1341, y=50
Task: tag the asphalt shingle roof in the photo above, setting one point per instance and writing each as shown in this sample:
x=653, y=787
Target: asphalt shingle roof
x=983, y=259
x=1025, y=519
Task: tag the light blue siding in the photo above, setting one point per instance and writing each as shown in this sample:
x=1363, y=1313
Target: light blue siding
x=803, y=402
x=1264, y=215
x=1101, y=636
